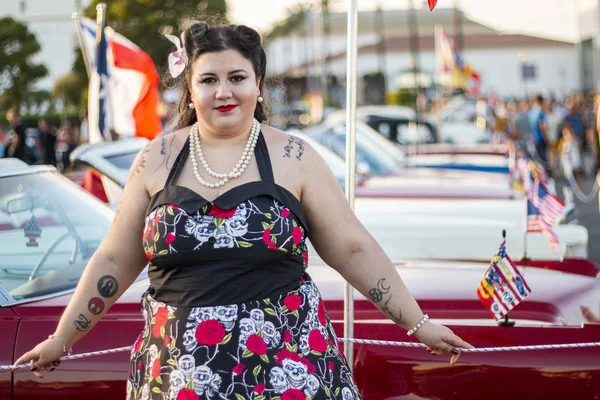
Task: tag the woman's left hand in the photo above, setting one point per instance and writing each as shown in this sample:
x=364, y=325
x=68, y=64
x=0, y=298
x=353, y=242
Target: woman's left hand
x=440, y=339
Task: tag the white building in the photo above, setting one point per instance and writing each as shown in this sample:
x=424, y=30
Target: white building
x=498, y=58
x=50, y=21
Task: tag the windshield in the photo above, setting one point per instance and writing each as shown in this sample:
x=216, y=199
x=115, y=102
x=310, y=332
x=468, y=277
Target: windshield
x=49, y=229
x=372, y=151
x=123, y=161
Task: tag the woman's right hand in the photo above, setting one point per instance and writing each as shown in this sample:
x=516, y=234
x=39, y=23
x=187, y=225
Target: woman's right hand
x=45, y=356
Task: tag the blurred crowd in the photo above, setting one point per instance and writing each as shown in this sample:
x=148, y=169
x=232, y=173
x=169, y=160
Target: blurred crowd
x=559, y=134
x=46, y=144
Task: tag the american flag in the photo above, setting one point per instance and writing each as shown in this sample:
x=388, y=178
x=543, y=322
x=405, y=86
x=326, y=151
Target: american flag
x=99, y=108
x=533, y=218
x=549, y=208
x=502, y=287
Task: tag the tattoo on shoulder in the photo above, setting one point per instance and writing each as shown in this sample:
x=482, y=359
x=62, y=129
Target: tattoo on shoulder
x=163, y=145
x=289, y=148
x=108, y=286
x=141, y=163
x=82, y=323
x=377, y=294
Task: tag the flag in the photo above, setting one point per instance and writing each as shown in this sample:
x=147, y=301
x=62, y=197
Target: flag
x=432, y=4
x=99, y=110
x=549, y=208
x=130, y=83
x=533, y=218
x=502, y=287
x=452, y=66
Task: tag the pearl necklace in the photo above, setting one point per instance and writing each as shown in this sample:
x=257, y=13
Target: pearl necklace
x=239, y=168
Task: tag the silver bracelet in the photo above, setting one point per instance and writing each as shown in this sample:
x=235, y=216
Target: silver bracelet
x=64, y=346
x=419, y=324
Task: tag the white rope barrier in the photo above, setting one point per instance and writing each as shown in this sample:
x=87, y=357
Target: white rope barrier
x=584, y=198
x=357, y=341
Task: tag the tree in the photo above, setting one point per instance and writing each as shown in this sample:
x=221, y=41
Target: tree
x=67, y=89
x=18, y=72
x=145, y=22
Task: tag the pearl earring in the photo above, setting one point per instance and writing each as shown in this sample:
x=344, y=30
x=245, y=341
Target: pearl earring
x=260, y=99
x=191, y=105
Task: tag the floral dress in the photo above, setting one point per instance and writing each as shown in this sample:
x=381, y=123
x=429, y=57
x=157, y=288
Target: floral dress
x=231, y=312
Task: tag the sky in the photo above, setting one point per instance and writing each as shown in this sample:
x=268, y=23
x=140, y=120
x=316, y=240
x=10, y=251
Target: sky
x=548, y=18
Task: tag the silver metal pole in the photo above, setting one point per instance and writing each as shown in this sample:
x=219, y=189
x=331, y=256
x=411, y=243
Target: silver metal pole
x=76, y=17
x=350, y=161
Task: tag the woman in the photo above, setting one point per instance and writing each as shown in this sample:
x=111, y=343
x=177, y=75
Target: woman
x=230, y=312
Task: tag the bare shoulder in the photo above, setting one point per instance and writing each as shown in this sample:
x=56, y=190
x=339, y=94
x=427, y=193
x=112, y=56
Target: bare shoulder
x=289, y=147
x=153, y=162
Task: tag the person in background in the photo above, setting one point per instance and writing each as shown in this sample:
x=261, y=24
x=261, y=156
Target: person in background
x=83, y=128
x=522, y=129
x=16, y=147
x=67, y=141
x=570, y=156
x=554, y=122
x=539, y=130
x=47, y=142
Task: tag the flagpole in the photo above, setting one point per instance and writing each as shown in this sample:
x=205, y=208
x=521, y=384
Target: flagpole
x=351, y=61
x=100, y=20
x=77, y=20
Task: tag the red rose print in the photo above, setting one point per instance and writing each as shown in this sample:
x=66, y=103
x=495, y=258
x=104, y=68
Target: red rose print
x=162, y=315
x=187, y=394
x=331, y=366
x=257, y=345
x=156, y=368
x=287, y=337
x=139, y=365
x=285, y=213
x=170, y=238
x=305, y=257
x=266, y=237
x=156, y=330
x=292, y=302
x=238, y=369
x=321, y=313
x=258, y=389
x=167, y=340
x=138, y=344
x=316, y=341
x=218, y=212
x=291, y=394
x=297, y=235
x=210, y=332
x=149, y=255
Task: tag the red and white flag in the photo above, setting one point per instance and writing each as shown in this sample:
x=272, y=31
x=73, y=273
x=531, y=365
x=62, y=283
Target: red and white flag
x=131, y=83
x=503, y=287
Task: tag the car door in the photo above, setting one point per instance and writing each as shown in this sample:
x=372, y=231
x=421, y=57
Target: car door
x=49, y=230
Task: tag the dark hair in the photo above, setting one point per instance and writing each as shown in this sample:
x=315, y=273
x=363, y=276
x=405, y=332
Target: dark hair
x=200, y=38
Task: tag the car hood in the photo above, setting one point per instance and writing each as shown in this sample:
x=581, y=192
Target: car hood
x=437, y=183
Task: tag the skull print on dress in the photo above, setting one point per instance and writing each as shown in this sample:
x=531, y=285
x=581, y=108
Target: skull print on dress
x=187, y=365
x=202, y=377
x=278, y=380
x=247, y=328
x=258, y=316
x=296, y=373
x=312, y=386
x=177, y=382
x=189, y=340
x=270, y=335
x=227, y=315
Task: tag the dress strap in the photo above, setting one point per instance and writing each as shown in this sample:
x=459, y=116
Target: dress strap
x=179, y=163
x=263, y=160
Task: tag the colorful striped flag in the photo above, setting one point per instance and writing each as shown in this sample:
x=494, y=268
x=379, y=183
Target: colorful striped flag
x=503, y=287
x=549, y=208
x=533, y=218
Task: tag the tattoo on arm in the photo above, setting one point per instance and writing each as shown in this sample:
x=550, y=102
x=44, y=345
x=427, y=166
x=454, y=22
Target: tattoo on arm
x=82, y=323
x=290, y=146
x=108, y=286
x=141, y=164
x=96, y=305
x=377, y=294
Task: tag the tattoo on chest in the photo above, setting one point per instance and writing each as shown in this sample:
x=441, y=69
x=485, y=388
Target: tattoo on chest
x=377, y=294
x=107, y=286
x=82, y=323
x=289, y=148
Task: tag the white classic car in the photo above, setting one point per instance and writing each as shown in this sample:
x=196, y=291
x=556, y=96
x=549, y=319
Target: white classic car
x=418, y=226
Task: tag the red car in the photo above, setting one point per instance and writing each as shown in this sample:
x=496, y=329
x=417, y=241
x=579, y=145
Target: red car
x=50, y=228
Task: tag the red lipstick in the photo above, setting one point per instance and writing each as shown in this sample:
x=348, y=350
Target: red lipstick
x=226, y=108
